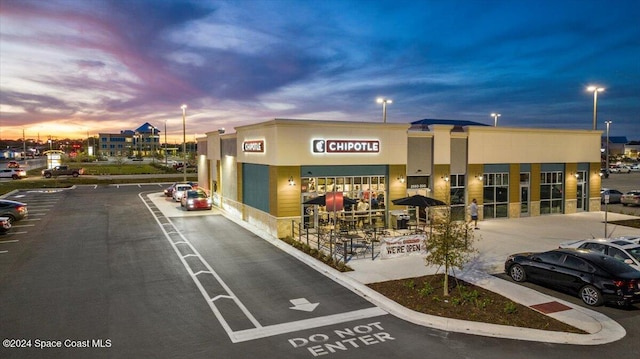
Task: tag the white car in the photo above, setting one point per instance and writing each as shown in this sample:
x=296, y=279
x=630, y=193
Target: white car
x=620, y=249
x=15, y=173
x=179, y=191
x=620, y=169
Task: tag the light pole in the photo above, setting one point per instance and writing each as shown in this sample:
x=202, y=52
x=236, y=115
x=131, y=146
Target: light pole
x=166, y=160
x=384, y=102
x=606, y=202
x=184, y=142
x=608, y=123
x=595, y=90
x=495, y=119
x=153, y=144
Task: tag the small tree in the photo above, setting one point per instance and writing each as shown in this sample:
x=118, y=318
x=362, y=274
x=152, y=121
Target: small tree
x=450, y=244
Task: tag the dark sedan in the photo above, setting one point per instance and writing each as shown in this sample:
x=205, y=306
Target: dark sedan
x=595, y=277
x=13, y=210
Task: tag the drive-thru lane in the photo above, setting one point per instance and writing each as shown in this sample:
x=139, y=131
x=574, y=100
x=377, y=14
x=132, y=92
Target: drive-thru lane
x=253, y=289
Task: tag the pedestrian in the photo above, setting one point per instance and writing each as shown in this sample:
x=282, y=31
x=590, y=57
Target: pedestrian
x=473, y=210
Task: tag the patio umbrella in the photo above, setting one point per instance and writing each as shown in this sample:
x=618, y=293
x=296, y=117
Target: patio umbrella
x=418, y=200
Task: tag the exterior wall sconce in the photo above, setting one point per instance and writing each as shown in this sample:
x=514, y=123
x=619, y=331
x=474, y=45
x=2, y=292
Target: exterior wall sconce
x=291, y=182
x=445, y=178
x=401, y=179
x=577, y=175
x=479, y=177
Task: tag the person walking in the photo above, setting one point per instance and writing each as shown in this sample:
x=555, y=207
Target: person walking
x=473, y=211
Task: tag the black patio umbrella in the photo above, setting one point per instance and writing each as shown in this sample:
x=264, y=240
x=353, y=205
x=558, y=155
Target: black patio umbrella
x=418, y=201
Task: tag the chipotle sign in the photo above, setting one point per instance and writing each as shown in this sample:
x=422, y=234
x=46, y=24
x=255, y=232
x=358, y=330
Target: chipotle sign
x=253, y=146
x=345, y=146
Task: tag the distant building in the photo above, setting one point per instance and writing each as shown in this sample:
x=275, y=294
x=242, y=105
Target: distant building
x=143, y=141
x=616, y=145
x=632, y=150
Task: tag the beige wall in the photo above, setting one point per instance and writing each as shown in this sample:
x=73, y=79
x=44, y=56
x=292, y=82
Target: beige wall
x=288, y=142
x=521, y=145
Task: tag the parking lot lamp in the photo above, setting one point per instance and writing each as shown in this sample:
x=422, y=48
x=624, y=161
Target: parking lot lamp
x=595, y=90
x=495, y=119
x=384, y=102
x=184, y=142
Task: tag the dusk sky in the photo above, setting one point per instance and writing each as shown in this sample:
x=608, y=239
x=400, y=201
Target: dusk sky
x=69, y=68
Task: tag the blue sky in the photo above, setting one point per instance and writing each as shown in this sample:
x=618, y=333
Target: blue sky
x=72, y=67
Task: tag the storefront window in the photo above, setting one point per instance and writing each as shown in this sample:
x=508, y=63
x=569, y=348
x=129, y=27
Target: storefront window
x=496, y=195
x=457, y=197
x=369, y=191
x=551, y=192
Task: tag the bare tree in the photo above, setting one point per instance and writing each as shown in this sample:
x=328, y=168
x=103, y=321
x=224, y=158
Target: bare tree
x=450, y=245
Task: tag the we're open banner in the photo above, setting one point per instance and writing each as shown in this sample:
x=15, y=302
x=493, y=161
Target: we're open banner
x=393, y=247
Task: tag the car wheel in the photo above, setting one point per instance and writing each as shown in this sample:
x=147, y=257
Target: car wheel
x=47, y=175
x=517, y=273
x=625, y=204
x=10, y=217
x=15, y=177
x=590, y=295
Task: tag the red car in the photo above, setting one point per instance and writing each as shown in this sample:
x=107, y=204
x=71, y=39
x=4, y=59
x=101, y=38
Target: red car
x=196, y=199
x=13, y=164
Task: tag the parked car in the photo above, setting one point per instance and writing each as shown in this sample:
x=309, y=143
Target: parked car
x=594, y=277
x=620, y=249
x=13, y=210
x=631, y=197
x=632, y=239
x=15, y=173
x=5, y=224
x=620, y=169
x=13, y=164
x=179, y=191
x=614, y=195
x=196, y=199
x=169, y=190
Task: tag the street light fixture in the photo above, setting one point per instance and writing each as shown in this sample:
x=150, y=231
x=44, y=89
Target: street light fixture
x=595, y=90
x=184, y=142
x=384, y=102
x=495, y=119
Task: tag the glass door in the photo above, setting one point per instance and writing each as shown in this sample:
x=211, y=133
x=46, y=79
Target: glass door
x=581, y=192
x=524, y=194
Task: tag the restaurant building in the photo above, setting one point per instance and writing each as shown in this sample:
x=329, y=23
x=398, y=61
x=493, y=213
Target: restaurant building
x=263, y=173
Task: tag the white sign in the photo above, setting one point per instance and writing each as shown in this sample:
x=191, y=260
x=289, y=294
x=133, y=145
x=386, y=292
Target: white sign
x=393, y=247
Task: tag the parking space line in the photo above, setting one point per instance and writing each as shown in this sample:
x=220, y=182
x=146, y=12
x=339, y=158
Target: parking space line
x=203, y=291
x=9, y=241
x=259, y=331
x=2, y=252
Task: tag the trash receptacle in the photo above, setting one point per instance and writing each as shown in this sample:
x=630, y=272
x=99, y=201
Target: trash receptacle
x=399, y=219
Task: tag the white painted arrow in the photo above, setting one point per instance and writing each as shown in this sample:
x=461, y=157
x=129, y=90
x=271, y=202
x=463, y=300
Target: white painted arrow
x=303, y=305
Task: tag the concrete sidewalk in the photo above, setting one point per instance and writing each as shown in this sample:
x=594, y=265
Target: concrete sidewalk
x=495, y=241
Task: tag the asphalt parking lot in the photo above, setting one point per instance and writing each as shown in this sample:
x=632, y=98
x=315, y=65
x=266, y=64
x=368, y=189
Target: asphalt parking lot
x=623, y=182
